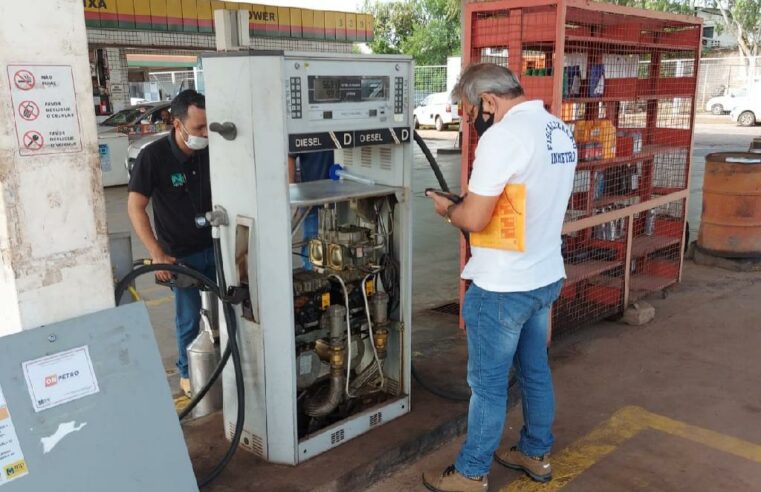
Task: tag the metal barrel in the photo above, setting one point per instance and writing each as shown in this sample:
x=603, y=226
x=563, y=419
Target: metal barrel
x=730, y=224
x=203, y=357
x=210, y=304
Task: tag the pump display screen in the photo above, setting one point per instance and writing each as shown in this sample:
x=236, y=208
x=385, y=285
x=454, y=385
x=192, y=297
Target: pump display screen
x=333, y=89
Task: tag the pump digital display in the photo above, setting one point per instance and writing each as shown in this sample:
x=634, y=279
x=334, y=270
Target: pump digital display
x=332, y=89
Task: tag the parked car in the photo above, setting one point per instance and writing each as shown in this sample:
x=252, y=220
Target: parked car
x=725, y=103
x=133, y=116
x=419, y=96
x=137, y=145
x=747, y=112
x=436, y=110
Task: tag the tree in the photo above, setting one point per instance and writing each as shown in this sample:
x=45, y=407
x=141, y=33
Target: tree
x=394, y=23
x=742, y=18
x=429, y=30
x=438, y=36
x=673, y=6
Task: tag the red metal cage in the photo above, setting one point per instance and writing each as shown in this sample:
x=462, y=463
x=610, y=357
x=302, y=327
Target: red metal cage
x=624, y=79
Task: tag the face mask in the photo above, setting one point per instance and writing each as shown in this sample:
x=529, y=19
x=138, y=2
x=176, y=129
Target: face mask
x=193, y=142
x=480, y=124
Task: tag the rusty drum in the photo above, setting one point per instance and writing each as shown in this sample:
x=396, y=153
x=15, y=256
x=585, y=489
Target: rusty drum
x=730, y=224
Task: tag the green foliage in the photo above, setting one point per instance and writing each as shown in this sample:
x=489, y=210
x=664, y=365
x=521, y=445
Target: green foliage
x=429, y=30
x=743, y=20
x=673, y=6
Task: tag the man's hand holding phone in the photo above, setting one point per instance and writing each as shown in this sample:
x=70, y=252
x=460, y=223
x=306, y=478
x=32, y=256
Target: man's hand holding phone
x=442, y=200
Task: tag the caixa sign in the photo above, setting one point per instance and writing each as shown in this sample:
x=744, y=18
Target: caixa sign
x=335, y=140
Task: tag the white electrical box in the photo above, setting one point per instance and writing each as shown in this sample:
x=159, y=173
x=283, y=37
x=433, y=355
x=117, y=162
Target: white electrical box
x=326, y=347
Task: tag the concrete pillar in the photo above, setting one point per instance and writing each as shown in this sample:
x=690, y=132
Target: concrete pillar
x=54, y=261
x=118, y=78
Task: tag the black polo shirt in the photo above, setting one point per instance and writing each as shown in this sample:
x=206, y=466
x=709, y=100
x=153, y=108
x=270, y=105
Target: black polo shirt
x=179, y=188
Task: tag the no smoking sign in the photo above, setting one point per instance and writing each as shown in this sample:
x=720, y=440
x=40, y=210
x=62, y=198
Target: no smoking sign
x=24, y=80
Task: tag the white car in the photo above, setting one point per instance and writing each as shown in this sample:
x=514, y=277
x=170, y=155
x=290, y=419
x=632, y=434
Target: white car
x=747, y=112
x=436, y=110
x=726, y=103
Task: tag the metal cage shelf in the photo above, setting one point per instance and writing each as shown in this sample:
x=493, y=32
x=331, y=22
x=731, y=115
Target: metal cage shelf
x=625, y=80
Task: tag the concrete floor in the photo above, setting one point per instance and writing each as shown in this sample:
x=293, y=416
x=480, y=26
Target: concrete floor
x=682, y=366
x=670, y=406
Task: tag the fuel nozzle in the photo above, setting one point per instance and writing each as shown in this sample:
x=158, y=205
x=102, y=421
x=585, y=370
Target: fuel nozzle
x=337, y=173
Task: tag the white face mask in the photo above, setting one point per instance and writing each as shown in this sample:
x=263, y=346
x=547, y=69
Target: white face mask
x=193, y=142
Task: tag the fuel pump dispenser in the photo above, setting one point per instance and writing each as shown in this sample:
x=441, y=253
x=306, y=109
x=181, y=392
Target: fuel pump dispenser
x=325, y=349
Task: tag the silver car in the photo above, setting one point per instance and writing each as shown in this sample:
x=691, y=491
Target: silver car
x=132, y=117
x=137, y=145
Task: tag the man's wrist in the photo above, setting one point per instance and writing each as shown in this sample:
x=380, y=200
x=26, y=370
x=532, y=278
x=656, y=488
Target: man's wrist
x=156, y=252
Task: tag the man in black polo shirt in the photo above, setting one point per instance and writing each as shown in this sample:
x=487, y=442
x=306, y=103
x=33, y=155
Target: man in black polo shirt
x=173, y=173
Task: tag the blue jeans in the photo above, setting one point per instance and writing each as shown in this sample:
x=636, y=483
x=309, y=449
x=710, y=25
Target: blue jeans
x=187, y=305
x=507, y=329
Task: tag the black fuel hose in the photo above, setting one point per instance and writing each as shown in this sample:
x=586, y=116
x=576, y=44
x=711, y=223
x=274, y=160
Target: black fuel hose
x=431, y=161
x=232, y=342
x=209, y=285
x=441, y=392
x=231, y=349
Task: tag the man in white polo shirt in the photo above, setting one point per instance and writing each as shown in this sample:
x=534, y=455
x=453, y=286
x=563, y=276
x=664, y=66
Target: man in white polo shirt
x=514, y=210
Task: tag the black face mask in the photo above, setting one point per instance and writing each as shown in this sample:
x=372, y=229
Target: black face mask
x=481, y=124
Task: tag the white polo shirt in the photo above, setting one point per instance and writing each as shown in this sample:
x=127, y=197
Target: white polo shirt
x=532, y=147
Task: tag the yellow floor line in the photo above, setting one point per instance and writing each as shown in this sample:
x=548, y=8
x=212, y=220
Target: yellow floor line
x=152, y=288
x=720, y=442
x=622, y=426
x=159, y=301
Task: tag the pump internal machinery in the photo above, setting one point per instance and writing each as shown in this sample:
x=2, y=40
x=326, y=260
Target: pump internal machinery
x=325, y=331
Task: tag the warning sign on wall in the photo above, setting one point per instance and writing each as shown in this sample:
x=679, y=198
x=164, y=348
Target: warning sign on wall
x=45, y=109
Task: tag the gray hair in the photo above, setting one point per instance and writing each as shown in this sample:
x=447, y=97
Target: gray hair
x=480, y=78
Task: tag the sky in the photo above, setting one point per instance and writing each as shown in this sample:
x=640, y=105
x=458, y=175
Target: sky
x=340, y=5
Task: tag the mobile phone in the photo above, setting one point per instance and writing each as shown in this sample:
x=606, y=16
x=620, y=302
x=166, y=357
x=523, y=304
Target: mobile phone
x=451, y=196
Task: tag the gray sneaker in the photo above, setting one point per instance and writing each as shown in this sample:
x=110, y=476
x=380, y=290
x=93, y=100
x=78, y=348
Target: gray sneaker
x=536, y=467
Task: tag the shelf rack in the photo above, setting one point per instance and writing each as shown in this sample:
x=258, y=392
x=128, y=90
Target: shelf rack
x=623, y=238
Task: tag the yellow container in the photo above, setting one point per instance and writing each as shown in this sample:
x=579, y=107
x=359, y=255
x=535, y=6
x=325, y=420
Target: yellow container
x=582, y=131
x=604, y=132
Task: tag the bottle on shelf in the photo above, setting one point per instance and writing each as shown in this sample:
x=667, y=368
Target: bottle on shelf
x=650, y=222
